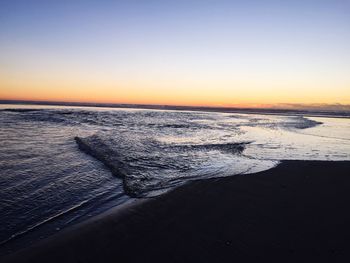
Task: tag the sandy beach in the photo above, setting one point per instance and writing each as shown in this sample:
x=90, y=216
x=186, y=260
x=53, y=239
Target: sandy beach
x=296, y=212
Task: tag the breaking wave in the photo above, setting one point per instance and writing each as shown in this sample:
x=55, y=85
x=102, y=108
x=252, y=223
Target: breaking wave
x=147, y=166
x=290, y=122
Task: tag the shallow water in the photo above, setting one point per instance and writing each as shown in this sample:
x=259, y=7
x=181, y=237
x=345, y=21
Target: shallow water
x=60, y=165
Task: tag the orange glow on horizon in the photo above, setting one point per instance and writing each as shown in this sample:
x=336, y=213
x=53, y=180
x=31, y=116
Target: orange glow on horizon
x=159, y=100
x=186, y=90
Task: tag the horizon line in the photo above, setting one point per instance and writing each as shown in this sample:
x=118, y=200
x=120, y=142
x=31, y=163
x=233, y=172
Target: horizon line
x=315, y=109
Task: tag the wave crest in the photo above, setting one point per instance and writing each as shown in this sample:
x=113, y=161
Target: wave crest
x=147, y=166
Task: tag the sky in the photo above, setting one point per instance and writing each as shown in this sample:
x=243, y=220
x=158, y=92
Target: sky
x=200, y=53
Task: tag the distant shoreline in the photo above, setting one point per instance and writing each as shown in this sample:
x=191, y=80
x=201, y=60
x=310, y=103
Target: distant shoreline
x=264, y=111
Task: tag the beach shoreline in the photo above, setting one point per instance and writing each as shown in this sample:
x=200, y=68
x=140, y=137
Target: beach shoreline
x=295, y=212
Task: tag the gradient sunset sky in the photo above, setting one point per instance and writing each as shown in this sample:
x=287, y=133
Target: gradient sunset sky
x=213, y=53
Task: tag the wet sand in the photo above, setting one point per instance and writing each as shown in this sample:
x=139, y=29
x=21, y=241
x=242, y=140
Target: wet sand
x=296, y=212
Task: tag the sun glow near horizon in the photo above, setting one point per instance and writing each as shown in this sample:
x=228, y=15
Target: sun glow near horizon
x=193, y=53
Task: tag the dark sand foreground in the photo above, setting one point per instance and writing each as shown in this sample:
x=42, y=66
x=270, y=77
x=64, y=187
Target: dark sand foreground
x=297, y=212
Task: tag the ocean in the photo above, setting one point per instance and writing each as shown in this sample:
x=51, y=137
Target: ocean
x=61, y=165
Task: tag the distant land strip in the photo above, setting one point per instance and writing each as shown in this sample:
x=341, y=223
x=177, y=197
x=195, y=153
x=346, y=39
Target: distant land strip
x=334, y=113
